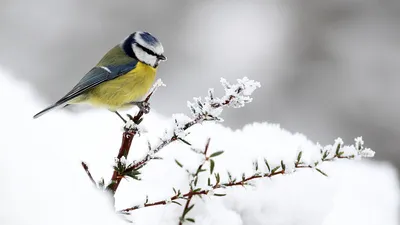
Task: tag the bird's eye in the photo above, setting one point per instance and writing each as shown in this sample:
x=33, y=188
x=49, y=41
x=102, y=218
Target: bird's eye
x=147, y=50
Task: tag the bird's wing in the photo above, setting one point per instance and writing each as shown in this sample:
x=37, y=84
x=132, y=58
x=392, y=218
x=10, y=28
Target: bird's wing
x=96, y=76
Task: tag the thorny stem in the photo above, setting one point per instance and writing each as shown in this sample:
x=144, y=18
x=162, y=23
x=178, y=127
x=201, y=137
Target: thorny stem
x=242, y=182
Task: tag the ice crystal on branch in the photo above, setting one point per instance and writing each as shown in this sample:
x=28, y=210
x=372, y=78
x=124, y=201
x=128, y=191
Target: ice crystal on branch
x=209, y=109
x=236, y=96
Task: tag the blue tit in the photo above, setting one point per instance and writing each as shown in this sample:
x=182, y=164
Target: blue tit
x=123, y=76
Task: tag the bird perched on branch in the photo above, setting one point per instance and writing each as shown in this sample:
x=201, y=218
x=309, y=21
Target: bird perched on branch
x=121, y=78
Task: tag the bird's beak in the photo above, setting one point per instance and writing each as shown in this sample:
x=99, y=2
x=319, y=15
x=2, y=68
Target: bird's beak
x=162, y=58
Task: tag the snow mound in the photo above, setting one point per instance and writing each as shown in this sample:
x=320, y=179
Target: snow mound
x=43, y=181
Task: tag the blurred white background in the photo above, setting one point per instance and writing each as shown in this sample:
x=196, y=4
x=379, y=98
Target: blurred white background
x=328, y=68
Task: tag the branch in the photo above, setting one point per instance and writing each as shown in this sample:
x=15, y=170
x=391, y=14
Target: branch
x=192, y=185
x=209, y=109
x=328, y=153
x=131, y=130
x=127, y=138
x=192, y=193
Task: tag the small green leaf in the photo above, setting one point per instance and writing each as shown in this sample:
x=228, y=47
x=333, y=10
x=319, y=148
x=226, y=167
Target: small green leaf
x=212, y=165
x=184, y=141
x=266, y=163
x=299, y=156
x=175, y=202
x=321, y=172
x=190, y=220
x=200, y=170
x=229, y=176
x=209, y=182
x=186, y=211
x=337, y=149
x=219, y=195
x=275, y=169
x=216, y=154
x=283, y=165
x=178, y=163
x=217, y=177
x=196, y=190
x=325, y=155
x=134, y=174
x=255, y=165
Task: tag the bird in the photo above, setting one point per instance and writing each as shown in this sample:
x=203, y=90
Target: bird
x=120, y=79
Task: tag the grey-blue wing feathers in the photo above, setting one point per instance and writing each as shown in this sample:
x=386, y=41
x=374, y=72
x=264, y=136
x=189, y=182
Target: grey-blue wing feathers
x=93, y=78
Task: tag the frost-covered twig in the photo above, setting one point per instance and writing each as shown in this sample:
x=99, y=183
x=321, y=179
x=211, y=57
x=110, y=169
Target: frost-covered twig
x=327, y=153
x=209, y=109
x=192, y=186
x=130, y=130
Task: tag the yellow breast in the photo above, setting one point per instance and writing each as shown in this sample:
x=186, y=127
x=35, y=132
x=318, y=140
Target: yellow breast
x=133, y=86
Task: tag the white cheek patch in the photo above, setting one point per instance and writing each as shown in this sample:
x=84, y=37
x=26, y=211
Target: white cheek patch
x=157, y=48
x=143, y=56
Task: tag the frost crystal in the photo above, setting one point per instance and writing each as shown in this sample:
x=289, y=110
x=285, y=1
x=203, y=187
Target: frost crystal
x=289, y=167
x=349, y=151
x=130, y=124
x=359, y=143
x=367, y=153
x=159, y=83
x=122, y=161
x=338, y=143
x=236, y=95
x=180, y=121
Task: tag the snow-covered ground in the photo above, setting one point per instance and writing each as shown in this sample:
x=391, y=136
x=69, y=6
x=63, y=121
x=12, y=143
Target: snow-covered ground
x=42, y=181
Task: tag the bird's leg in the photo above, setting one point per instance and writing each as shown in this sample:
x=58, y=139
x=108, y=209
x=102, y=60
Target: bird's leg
x=143, y=106
x=119, y=115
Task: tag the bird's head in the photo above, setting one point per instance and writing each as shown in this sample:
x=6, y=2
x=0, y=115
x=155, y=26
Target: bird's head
x=144, y=47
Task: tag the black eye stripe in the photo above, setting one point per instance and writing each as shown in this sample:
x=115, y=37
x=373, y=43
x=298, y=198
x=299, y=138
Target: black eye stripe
x=147, y=50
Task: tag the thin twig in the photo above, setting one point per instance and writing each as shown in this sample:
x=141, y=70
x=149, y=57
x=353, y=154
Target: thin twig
x=241, y=182
x=193, y=183
x=86, y=168
x=164, y=143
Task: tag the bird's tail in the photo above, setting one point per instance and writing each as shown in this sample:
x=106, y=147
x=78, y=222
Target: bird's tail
x=48, y=109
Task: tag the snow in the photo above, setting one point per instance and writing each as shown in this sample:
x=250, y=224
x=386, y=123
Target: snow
x=44, y=183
